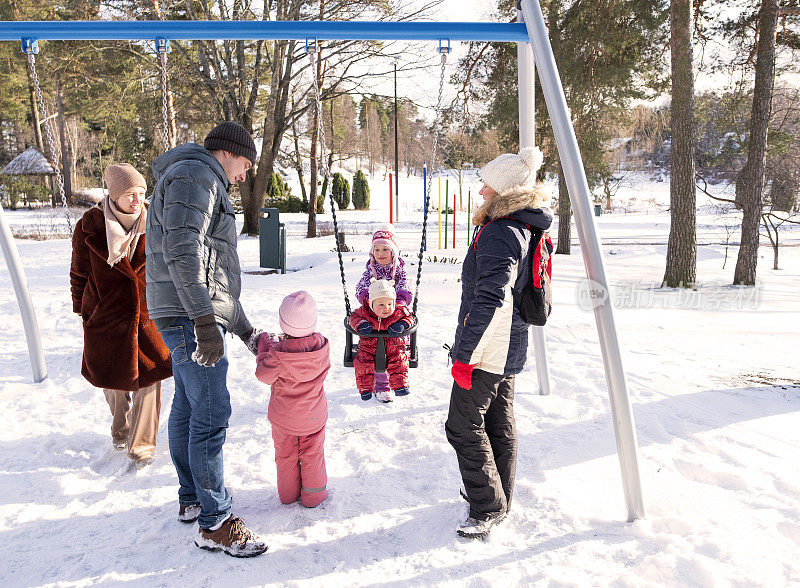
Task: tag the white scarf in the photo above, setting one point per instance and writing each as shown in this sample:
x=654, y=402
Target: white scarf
x=122, y=230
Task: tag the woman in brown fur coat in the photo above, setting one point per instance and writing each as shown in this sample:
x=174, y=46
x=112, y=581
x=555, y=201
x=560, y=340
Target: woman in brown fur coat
x=123, y=352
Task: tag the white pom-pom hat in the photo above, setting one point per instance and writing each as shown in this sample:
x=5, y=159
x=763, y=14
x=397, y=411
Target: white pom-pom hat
x=510, y=170
x=381, y=289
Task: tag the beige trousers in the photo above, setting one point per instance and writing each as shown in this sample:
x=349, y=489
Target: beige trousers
x=137, y=425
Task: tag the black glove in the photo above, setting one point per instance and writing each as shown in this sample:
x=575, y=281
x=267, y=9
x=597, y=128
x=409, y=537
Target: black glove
x=397, y=328
x=250, y=338
x=210, y=344
x=364, y=328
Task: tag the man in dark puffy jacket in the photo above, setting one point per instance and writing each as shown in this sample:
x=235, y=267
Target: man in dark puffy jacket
x=491, y=341
x=193, y=288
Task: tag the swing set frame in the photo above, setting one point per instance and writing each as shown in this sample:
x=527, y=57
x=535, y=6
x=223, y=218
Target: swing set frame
x=533, y=47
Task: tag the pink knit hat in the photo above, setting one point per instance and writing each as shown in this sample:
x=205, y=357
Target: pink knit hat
x=384, y=236
x=298, y=314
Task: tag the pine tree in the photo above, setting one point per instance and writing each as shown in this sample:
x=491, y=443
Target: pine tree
x=275, y=187
x=607, y=52
x=749, y=185
x=341, y=191
x=681, y=267
x=360, y=191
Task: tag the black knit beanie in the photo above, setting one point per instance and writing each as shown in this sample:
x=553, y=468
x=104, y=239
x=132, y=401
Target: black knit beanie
x=233, y=138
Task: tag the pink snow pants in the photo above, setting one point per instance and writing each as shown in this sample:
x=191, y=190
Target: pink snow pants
x=301, y=467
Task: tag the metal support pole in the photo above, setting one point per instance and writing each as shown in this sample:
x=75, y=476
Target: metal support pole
x=26, y=309
x=527, y=130
x=580, y=198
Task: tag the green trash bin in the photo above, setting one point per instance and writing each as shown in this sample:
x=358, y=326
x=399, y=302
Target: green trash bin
x=598, y=209
x=271, y=240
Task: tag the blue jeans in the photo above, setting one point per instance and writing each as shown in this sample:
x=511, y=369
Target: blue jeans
x=197, y=424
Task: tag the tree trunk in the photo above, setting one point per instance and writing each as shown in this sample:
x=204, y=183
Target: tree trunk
x=299, y=163
x=315, y=132
x=250, y=205
x=564, y=215
x=772, y=233
x=66, y=165
x=275, y=123
x=681, y=268
x=750, y=182
x=331, y=140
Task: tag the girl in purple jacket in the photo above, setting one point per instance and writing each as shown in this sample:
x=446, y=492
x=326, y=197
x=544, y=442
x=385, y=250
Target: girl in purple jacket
x=295, y=367
x=384, y=263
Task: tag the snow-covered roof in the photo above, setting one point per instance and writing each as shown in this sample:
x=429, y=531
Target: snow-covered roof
x=29, y=163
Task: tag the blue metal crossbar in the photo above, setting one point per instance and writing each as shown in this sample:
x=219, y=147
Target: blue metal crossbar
x=125, y=30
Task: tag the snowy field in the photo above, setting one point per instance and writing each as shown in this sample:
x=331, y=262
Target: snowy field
x=713, y=381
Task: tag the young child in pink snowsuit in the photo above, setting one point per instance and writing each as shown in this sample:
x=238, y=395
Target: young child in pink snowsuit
x=384, y=263
x=295, y=367
x=380, y=312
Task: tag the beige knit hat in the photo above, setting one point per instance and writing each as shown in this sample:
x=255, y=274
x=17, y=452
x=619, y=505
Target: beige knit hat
x=381, y=289
x=509, y=170
x=120, y=178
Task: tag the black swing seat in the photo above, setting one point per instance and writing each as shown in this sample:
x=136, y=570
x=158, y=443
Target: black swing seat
x=350, y=348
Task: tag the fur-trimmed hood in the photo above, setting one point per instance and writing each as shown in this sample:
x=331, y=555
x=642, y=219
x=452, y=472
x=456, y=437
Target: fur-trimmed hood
x=510, y=201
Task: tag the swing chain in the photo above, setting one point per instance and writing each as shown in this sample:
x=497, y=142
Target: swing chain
x=162, y=48
x=312, y=49
x=436, y=130
x=49, y=135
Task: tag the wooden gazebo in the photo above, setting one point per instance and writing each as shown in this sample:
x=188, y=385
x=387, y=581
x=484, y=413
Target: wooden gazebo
x=30, y=163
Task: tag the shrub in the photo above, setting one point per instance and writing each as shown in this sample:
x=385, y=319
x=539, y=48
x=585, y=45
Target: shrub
x=275, y=186
x=341, y=191
x=288, y=204
x=279, y=195
x=360, y=191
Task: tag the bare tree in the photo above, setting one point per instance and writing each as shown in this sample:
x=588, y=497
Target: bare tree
x=289, y=63
x=372, y=136
x=772, y=222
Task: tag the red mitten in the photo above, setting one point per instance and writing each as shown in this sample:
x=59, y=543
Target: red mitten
x=462, y=374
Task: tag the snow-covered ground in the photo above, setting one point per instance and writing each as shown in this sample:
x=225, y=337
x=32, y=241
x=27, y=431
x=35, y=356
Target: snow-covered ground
x=713, y=381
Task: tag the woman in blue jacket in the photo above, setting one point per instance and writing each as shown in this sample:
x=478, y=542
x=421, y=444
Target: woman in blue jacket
x=491, y=340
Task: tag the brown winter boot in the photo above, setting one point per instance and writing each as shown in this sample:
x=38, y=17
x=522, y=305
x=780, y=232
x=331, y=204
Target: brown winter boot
x=189, y=513
x=233, y=537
